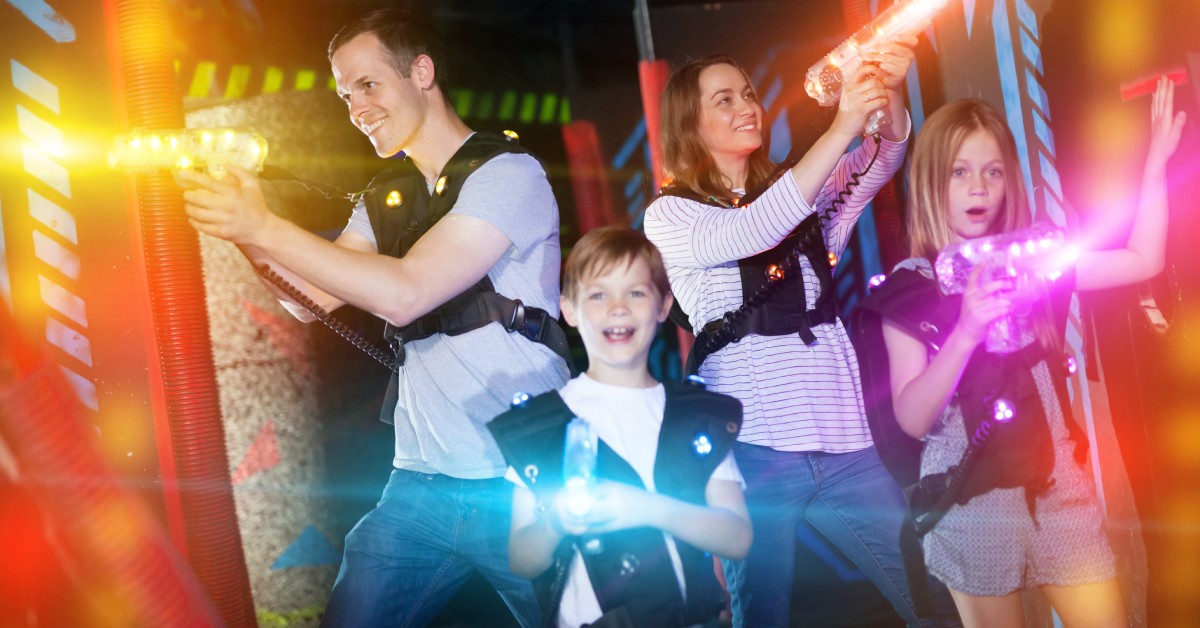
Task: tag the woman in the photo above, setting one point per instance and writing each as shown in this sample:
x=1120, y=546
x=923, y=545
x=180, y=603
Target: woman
x=1017, y=530
x=805, y=450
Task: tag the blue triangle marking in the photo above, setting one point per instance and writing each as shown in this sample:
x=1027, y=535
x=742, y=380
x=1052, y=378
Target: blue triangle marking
x=309, y=549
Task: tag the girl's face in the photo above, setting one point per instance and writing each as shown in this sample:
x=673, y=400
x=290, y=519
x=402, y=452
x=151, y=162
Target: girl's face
x=975, y=192
x=730, y=114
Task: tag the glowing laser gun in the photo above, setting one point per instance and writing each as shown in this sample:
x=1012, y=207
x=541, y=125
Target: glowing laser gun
x=824, y=79
x=579, y=474
x=1028, y=258
x=208, y=150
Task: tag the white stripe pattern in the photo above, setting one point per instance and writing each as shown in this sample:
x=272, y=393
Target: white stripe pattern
x=796, y=397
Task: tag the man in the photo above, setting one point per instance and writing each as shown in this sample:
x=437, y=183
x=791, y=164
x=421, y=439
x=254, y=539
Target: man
x=440, y=248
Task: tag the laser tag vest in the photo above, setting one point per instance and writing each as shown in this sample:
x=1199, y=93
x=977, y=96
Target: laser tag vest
x=1017, y=453
x=773, y=300
x=401, y=210
x=632, y=575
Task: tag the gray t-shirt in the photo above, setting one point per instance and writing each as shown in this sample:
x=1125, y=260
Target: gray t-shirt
x=451, y=386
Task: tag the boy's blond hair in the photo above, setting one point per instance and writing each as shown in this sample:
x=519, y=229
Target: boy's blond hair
x=603, y=248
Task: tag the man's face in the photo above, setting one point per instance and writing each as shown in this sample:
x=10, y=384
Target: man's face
x=387, y=107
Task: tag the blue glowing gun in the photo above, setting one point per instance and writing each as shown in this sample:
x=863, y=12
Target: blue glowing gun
x=579, y=474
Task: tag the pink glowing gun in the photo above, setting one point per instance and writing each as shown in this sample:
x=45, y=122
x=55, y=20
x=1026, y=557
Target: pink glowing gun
x=1028, y=258
x=903, y=18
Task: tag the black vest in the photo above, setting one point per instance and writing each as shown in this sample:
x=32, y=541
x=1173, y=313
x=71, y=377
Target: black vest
x=773, y=300
x=401, y=210
x=1018, y=453
x=633, y=572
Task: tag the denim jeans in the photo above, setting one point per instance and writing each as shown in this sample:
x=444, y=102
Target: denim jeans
x=405, y=559
x=851, y=499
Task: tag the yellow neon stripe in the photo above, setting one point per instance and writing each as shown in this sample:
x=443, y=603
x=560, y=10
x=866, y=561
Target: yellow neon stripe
x=239, y=77
x=203, y=79
x=305, y=79
x=272, y=80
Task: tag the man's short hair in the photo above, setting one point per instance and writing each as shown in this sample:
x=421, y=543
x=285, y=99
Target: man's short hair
x=402, y=35
x=603, y=248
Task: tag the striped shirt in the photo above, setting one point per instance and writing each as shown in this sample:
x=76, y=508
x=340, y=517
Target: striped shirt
x=796, y=397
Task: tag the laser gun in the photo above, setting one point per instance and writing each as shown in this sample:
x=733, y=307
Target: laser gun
x=1028, y=258
x=207, y=150
x=825, y=78
x=579, y=474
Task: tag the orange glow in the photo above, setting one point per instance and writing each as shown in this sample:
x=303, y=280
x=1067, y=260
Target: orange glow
x=1181, y=438
x=1124, y=42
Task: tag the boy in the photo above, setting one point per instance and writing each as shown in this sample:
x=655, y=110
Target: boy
x=668, y=491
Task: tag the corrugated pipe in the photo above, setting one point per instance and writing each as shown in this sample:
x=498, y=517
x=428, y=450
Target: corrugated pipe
x=180, y=318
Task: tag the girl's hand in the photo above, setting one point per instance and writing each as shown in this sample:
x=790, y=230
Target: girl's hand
x=862, y=93
x=1165, y=125
x=983, y=303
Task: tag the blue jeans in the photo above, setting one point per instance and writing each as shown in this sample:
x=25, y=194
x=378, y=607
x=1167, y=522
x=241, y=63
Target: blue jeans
x=851, y=499
x=405, y=559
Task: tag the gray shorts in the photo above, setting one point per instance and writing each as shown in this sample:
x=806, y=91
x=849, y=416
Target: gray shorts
x=992, y=546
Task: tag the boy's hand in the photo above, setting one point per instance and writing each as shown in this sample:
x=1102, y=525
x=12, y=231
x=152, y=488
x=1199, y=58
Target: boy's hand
x=615, y=506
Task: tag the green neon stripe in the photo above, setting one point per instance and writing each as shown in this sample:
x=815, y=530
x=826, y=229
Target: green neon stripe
x=528, y=107
x=462, y=101
x=486, y=106
x=549, y=105
x=508, y=105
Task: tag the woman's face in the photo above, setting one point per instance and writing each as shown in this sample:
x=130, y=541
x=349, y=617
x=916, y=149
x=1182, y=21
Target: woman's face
x=975, y=193
x=730, y=115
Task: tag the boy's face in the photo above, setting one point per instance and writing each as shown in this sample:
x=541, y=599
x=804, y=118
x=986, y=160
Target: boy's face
x=617, y=313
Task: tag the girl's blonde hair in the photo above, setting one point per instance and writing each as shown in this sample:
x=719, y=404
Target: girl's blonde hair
x=934, y=151
x=685, y=159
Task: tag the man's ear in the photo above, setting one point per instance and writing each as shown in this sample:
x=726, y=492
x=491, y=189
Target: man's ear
x=568, y=311
x=425, y=72
x=668, y=301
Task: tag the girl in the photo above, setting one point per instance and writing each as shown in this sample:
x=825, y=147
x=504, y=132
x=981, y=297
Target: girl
x=1041, y=532
x=804, y=450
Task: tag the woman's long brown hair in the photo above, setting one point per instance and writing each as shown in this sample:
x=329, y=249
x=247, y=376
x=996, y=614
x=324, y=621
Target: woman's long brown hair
x=685, y=159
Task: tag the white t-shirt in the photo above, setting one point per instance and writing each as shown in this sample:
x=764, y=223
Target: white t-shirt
x=627, y=420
